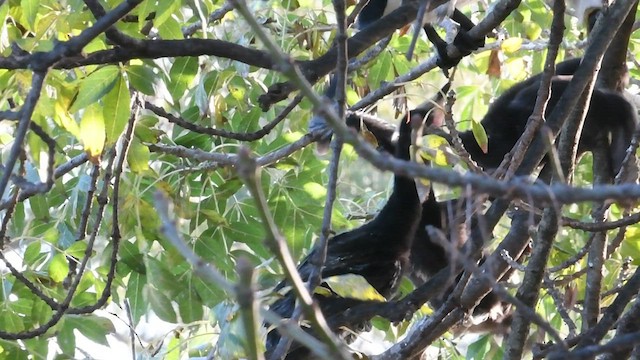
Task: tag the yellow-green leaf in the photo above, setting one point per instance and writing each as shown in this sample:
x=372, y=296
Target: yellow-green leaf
x=316, y=190
x=117, y=109
x=182, y=74
x=170, y=29
x=219, y=108
x=141, y=78
x=138, y=156
x=58, y=268
x=438, y=143
x=480, y=135
x=237, y=92
x=92, y=132
x=144, y=9
x=214, y=216
x=533, y=30
x=77, y=249
x=354, y=286
x=164, y=10
x=61, y=110
x=511, y=45
x=29, y=12
x=95, y=86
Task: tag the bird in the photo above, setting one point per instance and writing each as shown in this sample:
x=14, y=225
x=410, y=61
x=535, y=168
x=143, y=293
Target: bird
x=378, y=250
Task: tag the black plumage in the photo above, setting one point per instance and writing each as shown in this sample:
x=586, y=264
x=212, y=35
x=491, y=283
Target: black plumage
x=378, y=250
x=611, y=119
x=428, y=257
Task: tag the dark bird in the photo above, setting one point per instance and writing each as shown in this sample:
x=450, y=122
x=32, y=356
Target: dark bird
x=378, y=250
x=611, y=119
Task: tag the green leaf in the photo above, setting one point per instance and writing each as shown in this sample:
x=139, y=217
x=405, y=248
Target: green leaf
x=39, y=206
x=32, y=253
x=95, y=86
x=145, y=130
x=160, y=304
x=95, y=328
x=209, y=293
x=30, y=12
x=164, y=10
x=66, y=339
x=18, y=223
x=58, y=267
x=162, y=279
x=41, y=312
x=144, y=9
x=22, y=306
x=138, y=156
x=480, y=135
x=182, y=73
x=77, y=249
x=82, y=299
x=171, y=29
x=12, y=351
x=134, y=293
x=478, y=349
x=130, y=255
x=87, y=281
x=190, y=306
x=93, y=132
x=381, y=70
x=37, y=348
x=317, y=191
x=10, y=321
x=117, y=109
x=65, y=237
x=141, y=78
x=5, y=289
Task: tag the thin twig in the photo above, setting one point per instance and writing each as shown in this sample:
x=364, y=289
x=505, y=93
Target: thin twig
x=211, y=274
x=248, y=307
x=248, y=171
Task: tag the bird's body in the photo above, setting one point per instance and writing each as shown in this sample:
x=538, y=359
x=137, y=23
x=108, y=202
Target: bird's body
x=610, y=120
x=436, y=10
x=378, y=250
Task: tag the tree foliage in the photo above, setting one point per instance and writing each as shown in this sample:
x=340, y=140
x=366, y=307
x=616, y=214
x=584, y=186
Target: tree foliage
x=132, y=128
